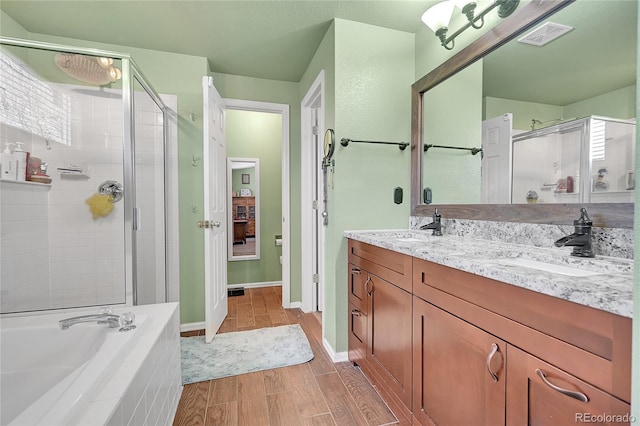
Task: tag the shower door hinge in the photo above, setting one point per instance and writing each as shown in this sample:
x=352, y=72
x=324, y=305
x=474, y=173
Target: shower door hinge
x=315, y=278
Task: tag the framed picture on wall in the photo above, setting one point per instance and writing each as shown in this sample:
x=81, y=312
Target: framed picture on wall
x=246, y=179
x=245, y=192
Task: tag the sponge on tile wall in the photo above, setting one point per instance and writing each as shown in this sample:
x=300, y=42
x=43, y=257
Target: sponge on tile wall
x=100, y=205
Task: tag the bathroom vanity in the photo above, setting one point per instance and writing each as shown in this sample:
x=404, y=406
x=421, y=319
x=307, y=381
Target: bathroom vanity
x=461, y=331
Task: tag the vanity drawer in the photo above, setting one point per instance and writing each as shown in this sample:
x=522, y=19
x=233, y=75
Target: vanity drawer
x=389, y=265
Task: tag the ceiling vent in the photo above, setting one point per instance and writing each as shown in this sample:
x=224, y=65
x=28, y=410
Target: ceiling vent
x=545, y=34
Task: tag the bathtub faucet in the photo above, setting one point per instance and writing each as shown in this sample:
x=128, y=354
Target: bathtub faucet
x=111, y=320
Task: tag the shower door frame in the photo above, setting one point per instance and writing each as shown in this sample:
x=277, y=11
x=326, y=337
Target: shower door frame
x=129, y=70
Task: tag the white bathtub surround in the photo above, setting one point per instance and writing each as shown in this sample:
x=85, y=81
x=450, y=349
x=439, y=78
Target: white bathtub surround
x=609, y=288
x=614, y=242
x=141, y=384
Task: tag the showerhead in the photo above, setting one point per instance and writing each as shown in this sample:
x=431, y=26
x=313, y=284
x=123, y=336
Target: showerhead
x=89, y=69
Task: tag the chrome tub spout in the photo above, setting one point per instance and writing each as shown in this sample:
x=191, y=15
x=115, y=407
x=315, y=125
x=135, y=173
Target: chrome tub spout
x=108, y=319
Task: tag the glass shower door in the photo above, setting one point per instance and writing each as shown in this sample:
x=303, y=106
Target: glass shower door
x=149, y=216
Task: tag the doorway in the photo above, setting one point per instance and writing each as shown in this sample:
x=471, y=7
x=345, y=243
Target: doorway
x=313, y=127
x=284, y=241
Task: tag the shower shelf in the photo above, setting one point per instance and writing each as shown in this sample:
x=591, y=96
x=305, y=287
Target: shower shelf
x=73, y=175
x=26, y=182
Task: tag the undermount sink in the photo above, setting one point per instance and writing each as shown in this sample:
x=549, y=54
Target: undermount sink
x=548, y=267
x=409, y=240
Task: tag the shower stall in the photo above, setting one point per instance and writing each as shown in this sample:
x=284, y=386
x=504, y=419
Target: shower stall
x=88, y=216
x=585, y=160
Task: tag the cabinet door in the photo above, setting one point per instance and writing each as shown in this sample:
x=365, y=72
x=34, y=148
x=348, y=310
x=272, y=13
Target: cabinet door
x=357, y=334
x=459, y=370
x=541, y=394
x=389, y=336
x=357, y=283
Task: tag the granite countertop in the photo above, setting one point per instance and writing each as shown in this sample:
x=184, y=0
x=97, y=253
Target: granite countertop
x=602, y=282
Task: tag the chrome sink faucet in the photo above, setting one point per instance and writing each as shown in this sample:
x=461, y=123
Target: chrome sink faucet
x=435, y=224
x=111, y=320
x=580, y=240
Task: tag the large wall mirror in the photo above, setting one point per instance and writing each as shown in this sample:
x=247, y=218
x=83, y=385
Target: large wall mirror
x=565, y=113
x=243, y=187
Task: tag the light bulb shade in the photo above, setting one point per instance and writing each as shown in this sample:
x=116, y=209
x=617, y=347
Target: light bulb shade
x=438, y=15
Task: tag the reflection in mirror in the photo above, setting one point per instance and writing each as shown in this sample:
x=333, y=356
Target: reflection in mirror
x=243, y=188
x=519, y=89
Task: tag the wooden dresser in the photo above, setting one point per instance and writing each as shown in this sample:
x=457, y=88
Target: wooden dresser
x=244, y=208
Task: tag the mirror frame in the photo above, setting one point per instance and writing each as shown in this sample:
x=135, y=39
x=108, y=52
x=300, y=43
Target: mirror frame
x=256, y=194
x=611, y=215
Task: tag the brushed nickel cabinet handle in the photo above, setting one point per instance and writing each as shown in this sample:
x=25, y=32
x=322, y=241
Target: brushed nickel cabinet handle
x=356, y=312
x=494, y=349
x=355, y=271
x=575, y=395
x=366, y=286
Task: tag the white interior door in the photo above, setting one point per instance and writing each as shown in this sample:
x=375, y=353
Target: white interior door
x=496, y=160
x=215, y=202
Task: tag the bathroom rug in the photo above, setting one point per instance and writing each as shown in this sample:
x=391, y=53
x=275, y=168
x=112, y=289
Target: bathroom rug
x=241, y=352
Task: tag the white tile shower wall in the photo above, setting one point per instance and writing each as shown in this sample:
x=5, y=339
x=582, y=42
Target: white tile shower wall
x=615, y=242
x=87, y=255
x=24, y=246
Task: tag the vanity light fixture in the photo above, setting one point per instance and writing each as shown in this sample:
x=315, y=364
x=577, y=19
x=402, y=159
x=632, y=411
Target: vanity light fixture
x=438, y=16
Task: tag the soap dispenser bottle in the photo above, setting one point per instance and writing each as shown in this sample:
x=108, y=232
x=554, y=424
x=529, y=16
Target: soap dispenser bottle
x=22, y=157
x=8, y=164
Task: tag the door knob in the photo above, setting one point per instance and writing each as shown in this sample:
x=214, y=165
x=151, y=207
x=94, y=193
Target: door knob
x=204, y=224
x=216, y=224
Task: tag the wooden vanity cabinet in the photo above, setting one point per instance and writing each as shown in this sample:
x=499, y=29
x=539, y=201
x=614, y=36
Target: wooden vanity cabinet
x=578, y=348
x=357, y=314
x=380, y=317
x=455, y=348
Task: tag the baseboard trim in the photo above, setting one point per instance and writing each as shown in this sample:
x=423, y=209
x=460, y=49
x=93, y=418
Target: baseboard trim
x=192, y=326
x=335, y=356
x=256, y=285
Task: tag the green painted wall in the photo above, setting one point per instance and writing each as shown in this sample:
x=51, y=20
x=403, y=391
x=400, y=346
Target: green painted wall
x=620, y=103
x=259, y=135
x=523, y=112
x=237, y=176
x=373, y=77
x=617, y=104
x=10, y=28
x=453, y=117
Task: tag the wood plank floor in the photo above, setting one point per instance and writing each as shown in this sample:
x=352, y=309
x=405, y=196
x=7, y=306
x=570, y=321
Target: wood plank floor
x=318, y=392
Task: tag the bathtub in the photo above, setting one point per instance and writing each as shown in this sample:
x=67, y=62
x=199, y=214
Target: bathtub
x=86, y=374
